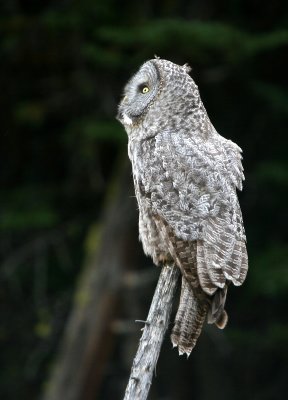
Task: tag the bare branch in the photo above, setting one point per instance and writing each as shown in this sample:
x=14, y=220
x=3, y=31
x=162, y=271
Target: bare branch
x=150, y=344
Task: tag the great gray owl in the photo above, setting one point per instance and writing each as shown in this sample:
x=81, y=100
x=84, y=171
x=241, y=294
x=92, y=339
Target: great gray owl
x=185, y=176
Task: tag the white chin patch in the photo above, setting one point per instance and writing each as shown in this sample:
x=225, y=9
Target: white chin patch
x=127, y=120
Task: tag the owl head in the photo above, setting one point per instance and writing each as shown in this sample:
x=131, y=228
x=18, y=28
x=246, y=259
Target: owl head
x=159, y=86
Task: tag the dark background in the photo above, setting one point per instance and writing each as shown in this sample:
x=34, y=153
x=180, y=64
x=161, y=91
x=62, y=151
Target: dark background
x=63, y=158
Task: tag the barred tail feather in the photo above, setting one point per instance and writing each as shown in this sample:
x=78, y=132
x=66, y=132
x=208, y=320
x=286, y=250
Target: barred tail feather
x=189, y=320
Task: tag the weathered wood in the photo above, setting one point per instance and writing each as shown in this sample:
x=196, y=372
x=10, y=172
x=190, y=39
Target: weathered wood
x=146, y=358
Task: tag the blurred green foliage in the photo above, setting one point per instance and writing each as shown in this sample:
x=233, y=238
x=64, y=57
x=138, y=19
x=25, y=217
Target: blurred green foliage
x=63, y=67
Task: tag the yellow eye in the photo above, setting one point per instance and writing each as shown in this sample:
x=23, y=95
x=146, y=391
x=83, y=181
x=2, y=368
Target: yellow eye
x=145, y=89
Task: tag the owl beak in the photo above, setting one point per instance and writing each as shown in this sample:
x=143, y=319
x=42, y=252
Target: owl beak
x=119, y=116
x=127, y=120
x=123, y=118
x=120, y=113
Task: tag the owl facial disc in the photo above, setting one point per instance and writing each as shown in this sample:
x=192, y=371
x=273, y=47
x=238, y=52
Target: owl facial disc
x=139, y=94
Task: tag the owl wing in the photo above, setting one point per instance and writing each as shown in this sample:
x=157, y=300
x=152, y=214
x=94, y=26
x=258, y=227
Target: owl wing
x=196, y=196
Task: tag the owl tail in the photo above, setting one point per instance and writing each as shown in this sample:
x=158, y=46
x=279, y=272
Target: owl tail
x=216, y=314
x=189, y=320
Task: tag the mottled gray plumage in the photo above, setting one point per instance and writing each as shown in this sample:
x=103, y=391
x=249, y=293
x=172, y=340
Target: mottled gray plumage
x=185, y=176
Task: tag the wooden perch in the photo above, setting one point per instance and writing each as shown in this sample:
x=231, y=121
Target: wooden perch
x=146, y=358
